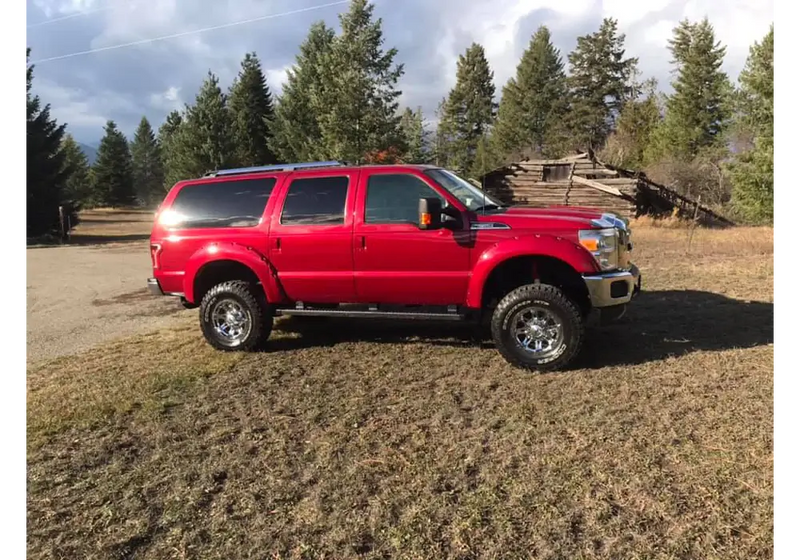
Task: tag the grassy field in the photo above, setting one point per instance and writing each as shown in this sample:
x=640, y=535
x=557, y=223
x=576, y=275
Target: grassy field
x=350, y=439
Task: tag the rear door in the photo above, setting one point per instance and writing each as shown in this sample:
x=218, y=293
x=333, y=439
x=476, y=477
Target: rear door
x=311, y=236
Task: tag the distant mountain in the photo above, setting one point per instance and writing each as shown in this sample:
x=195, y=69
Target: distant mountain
x=91, y=153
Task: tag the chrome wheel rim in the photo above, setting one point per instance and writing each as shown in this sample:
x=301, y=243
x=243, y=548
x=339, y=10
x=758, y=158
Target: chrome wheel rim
x=231, y=322
x=537, y=331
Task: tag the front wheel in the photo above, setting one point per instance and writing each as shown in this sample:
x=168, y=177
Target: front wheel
x=234, y=316
x=538, y=328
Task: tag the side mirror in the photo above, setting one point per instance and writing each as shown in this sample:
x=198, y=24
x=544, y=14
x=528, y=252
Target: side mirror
x=430, y=213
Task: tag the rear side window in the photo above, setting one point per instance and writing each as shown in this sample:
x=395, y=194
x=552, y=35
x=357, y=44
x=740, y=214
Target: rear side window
x=315, y=201
x=222, y=204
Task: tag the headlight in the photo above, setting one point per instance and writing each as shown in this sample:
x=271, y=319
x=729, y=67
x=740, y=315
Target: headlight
x=603, y=244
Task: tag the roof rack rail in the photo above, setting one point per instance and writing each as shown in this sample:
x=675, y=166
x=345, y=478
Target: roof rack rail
x=278, y=167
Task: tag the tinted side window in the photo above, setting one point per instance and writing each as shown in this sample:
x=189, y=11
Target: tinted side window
x=315, y=201
x=222, y=204
x=394, y=199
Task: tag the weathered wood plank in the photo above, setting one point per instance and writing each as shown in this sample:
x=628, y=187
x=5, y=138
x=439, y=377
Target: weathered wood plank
x=599, y=186
x=617, y=181
x=597, y=171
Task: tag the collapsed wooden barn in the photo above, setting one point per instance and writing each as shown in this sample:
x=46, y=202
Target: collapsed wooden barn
x=583, y=180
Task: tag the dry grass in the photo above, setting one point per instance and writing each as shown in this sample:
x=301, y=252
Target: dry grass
x=368, y=441
x=109, y=225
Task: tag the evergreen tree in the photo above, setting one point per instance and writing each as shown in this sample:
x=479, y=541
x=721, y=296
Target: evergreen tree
x=296, y=134
x=412, y=126
x=485, y=158
x=598, y=83
x=250, y=103
x=441, y=140
x=637, y=123
x=148, y=168
x=752, y=172
x=469, y=110
x=356, y=99
x=78, y=186
x=166, y=135
x=46, y=172
x=112, y=173
x=533, y=102
x=203, y=142
x=698, y=111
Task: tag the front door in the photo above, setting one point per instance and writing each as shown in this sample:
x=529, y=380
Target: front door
x=395, y=261
x=311, y=236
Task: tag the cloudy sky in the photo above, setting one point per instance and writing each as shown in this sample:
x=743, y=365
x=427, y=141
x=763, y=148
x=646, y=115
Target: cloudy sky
x=152, y=78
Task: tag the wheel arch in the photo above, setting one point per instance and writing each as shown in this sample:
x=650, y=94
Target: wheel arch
x=220, y=263
x=517, y=270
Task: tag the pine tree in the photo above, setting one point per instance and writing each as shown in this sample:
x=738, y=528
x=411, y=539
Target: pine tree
x=148, y=169
x=469, y=110
x=250, y=103
x=203, y=142
x=296, y=134
x=533, y=102
x=78, y=186
x=166, y=135
x=699, y=109
x=637, y=123
x=415, y=136
x=752, y=172
x=441, y=139
x=485, y=158
x=46, y=172
x=113, y=170
x=599, y=82
x=356, y=99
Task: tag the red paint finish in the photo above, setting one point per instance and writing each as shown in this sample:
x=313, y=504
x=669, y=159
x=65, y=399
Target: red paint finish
x=559, y=248
x=314, y=262
x=402, y=264
x=355, y=261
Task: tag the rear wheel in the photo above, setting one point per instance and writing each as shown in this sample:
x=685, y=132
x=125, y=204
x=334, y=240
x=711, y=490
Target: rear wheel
x=538, y=328
x=234, y=316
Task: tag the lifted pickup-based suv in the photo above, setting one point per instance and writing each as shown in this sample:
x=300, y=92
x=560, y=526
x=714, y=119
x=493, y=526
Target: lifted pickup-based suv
x=387, y=241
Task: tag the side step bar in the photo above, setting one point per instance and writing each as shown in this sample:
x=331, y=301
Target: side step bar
x=371, y=314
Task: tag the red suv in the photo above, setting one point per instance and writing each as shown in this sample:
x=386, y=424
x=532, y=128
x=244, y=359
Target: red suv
x=387, y=241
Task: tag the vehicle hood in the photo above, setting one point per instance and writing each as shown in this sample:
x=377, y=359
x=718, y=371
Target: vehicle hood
x=554, y=217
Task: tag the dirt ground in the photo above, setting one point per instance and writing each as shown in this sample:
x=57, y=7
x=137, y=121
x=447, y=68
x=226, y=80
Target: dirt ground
x=92, y=290
x=359, y=440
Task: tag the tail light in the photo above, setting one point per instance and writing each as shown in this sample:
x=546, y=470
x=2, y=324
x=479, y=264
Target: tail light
x=155, y=253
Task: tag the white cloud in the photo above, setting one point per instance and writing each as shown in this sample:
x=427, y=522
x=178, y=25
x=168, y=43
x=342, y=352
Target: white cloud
x=66, y=7
x=82, y=109
x=276, y=78
x=628, y=12
x=168, y=100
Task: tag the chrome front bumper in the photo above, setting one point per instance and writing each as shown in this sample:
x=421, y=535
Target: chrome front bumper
x=613, y=288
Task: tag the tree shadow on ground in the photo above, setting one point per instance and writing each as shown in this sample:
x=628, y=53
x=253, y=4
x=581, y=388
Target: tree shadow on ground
x=658, y=325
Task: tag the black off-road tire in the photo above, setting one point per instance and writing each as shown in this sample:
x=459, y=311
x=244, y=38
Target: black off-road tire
x=542, y=296
x=251, y=299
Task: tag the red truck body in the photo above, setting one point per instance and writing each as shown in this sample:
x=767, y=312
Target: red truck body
x=349, y=258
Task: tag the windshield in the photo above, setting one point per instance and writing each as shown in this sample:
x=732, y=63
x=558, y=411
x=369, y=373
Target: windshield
x=470, y=196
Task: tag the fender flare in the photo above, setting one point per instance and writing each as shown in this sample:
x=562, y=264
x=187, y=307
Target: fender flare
x=540, y=245
x=230, y=251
